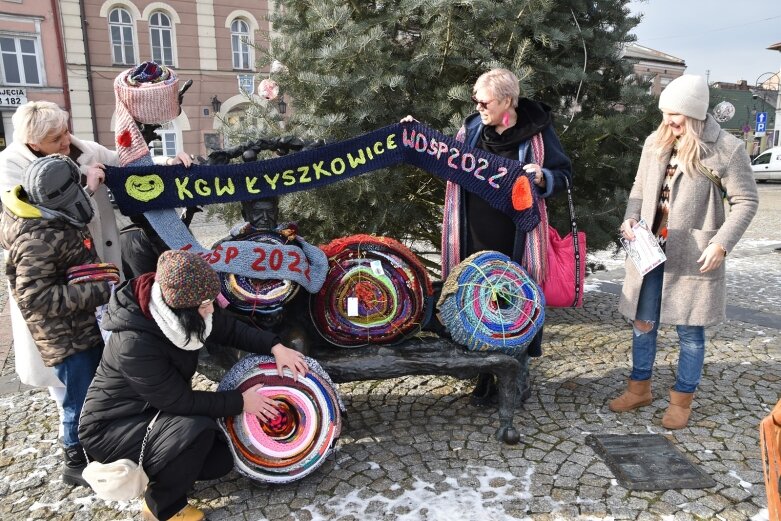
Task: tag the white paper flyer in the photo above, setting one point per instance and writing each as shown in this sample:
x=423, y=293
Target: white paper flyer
x=644, y=250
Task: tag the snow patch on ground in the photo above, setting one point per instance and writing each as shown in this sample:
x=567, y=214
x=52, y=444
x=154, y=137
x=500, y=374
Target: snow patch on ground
x=447, y=500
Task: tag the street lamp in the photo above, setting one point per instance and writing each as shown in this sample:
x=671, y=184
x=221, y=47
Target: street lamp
x=216, y=104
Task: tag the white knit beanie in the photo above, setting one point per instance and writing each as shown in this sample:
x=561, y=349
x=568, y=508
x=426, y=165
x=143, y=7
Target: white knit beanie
x=687, y=95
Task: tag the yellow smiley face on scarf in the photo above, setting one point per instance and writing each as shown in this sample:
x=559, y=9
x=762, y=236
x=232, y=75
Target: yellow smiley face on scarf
x=144, y=187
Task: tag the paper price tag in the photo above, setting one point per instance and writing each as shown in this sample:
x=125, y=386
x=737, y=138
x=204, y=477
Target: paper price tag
x=376, y=267
x=352, y=306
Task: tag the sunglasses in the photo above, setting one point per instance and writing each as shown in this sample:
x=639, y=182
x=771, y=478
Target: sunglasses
x=482, y=104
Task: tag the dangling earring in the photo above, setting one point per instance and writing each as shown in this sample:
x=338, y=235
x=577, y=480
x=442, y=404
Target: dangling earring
x=506, y=119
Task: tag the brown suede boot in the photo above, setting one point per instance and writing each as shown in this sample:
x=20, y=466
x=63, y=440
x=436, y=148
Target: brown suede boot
x=637, y=394
x=677, y=414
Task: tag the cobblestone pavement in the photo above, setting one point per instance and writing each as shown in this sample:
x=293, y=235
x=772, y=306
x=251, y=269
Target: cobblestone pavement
x=414, y=449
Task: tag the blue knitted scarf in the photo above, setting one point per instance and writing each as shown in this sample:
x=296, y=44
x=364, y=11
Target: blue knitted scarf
x=156, y=191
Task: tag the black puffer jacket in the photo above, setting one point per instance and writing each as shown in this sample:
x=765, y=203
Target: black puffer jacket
x=142, y=372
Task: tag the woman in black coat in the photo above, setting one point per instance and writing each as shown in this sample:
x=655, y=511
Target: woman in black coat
x=158, y=322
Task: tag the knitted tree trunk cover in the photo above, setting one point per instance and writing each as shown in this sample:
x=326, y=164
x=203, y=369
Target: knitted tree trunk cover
x=300, y=439
x=376, y=291
x=489, y=303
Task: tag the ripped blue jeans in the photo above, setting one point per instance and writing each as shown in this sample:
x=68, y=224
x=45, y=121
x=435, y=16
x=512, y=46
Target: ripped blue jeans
x=691, y=339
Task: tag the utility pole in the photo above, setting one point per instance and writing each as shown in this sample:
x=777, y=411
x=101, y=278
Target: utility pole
x=707, y=76
x=776, y=138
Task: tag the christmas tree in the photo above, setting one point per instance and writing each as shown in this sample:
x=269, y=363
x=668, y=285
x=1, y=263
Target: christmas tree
x=354, y=66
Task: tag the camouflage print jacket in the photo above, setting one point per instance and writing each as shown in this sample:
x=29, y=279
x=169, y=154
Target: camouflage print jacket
x=61, y=318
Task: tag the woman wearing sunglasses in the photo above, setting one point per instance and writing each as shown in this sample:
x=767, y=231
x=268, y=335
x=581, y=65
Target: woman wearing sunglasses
x=503, y=125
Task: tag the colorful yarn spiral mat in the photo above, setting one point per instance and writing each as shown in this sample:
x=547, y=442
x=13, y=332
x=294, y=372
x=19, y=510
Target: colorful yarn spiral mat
x=103, y=271
x=299, y=440
x=489, y=303
x=376, y=292
x=249, y=295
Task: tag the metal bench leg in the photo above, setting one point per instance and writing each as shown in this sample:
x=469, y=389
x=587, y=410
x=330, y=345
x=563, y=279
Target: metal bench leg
x=508, y=392
x=524, y=383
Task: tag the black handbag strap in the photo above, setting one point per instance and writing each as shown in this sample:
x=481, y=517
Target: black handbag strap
x=575, y=241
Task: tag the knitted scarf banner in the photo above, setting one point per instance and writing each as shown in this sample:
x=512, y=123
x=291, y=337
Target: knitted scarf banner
x=142, y=187
x=495, y=179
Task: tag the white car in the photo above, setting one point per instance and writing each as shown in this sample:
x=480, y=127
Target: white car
x=767, y=165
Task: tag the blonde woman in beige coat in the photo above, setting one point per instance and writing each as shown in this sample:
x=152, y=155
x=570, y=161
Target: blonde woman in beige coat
x=689, y=167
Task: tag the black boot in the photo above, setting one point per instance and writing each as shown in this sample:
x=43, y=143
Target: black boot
x=485, y=392
x=75, y=461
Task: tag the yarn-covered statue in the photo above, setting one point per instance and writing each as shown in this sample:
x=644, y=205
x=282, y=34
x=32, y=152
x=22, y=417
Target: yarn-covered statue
x=138, y=89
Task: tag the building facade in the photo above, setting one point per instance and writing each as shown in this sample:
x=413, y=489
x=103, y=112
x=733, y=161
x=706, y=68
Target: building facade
x=31, y=61
x=653, y=66
x=81, y=46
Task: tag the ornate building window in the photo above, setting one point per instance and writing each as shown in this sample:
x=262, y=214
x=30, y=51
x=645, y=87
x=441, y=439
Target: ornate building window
x=240, y=43
x=161, y=38
x=120, y=25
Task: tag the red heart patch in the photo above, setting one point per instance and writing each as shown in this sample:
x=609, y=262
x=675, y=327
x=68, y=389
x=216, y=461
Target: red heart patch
x=124, y=139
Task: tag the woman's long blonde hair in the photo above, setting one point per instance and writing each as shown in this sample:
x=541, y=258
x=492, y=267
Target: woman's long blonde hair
x=690, y=146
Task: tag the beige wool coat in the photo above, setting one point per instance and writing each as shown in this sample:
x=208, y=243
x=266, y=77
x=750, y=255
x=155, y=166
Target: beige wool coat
x=697, y=218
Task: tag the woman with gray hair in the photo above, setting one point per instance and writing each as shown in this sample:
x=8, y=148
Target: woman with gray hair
x=41, y=129
x=506, y=125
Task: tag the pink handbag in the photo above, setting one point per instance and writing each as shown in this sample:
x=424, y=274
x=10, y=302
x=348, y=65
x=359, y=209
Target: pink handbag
x=563, y=285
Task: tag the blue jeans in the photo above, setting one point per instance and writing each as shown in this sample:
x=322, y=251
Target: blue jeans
x=76, y=372
x=691, y=338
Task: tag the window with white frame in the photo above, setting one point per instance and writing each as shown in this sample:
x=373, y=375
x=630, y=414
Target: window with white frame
x=240, y=43
x=168, y=142
x=120, y=25
x=161, y=38
x=21, y=65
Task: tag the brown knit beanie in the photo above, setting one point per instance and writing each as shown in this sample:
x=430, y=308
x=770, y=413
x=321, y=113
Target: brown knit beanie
x=186, y=279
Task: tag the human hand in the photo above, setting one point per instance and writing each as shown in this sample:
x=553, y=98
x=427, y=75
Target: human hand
x=181, y=158
x=539, y=178
x=95, y=176
x=290, y=358
x=408, y=119
x=626, y=229
x=261, y=406
x=712, y=257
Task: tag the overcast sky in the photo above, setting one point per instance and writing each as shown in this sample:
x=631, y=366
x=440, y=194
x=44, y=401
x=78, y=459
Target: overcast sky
x=727, y=37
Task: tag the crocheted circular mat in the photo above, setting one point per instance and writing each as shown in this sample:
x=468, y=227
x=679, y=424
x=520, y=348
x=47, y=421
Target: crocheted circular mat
x=489, y=303
x=376, y=292
x=300, y=438
x=248, y=295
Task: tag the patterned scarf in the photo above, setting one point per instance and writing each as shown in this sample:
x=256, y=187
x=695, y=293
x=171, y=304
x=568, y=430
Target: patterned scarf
x=535, y=253
x=146, y=94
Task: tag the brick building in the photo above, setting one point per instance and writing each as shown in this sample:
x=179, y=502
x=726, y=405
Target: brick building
x=654, y=66
x=78, y=47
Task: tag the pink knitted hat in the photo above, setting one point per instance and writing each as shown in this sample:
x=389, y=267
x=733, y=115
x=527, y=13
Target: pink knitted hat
x=146, y=98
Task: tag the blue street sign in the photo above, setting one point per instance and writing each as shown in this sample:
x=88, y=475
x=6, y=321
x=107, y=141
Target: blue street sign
x=761, y=122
